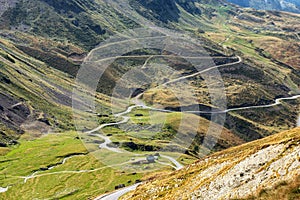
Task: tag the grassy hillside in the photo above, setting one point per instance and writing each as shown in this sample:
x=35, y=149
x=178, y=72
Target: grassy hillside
x=268, y=48
x=35, y=98
x=147, y=132
x=33, y=85
x=84, y=23
x=82, y=176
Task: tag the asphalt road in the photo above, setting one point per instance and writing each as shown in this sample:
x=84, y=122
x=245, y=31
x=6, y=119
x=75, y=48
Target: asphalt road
x=117, y=194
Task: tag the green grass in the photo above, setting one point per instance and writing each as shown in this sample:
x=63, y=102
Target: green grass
x=142, y=117
x=154, y=131
x=33, y=155
x=66, y=182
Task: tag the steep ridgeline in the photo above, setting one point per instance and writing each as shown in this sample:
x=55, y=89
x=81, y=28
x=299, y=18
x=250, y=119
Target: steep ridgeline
x=281, y=5
x=264, y=169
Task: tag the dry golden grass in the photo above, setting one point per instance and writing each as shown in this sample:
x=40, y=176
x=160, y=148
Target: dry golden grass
x=187, y=175
x=284, y=191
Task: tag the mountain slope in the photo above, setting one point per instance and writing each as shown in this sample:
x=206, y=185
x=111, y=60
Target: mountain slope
x=224, y=31
x=257, y=170
x=30, y=98
x=84, y=23
x=263, y=41
x=283, y=5
x=35, y=98
x=43, y=44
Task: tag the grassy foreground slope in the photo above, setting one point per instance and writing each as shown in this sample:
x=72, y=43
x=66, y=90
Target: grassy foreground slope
x=81, y=176
x=262, y=169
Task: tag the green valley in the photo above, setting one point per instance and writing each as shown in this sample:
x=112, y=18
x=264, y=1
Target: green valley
x=99, y=98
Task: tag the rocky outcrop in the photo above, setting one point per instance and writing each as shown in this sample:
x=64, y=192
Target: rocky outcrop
x=13, y=113
x=274, y=164
x=237, y=173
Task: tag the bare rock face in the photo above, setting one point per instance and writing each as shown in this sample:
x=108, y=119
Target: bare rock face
x=13, y=113
x=263, y=169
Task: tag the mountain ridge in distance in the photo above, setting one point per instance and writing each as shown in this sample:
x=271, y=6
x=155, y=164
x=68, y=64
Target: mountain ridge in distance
x=280, y=5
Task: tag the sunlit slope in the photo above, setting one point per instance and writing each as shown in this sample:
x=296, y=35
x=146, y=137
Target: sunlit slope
x=74, y=173
x=264, y=169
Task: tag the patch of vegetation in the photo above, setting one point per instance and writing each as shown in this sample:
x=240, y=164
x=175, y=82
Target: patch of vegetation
x=146, y=131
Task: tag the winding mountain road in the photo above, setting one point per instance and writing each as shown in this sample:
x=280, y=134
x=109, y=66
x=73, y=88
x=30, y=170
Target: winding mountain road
x=139, y=104
x=277, y=102
x=117, y=194
x=106, y=138
x=125, y=120
x=204, y=71
x=178, y=166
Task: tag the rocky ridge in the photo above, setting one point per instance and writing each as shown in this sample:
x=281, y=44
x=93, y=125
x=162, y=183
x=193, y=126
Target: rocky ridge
x=242, y=172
